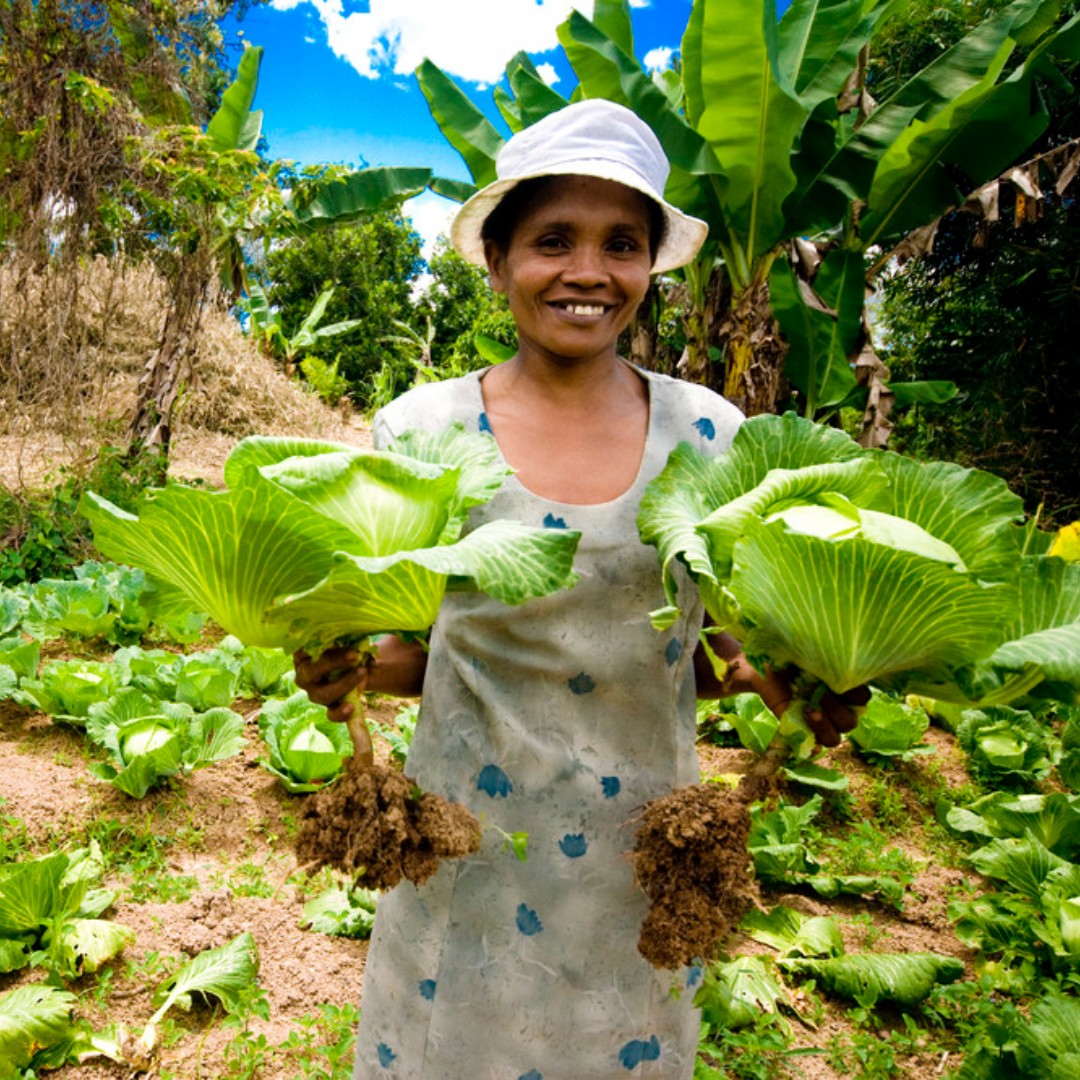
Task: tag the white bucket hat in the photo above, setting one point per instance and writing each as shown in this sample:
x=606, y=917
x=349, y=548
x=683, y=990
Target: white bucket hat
x=588, y=138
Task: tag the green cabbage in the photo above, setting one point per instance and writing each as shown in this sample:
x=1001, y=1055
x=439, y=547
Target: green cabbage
x=315, y=543
x=863, y=567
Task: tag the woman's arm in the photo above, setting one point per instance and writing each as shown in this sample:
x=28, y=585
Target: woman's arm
x=397, y=668
x=833, y=717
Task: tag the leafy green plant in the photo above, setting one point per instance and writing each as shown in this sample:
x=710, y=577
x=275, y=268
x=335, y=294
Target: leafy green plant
x=150, y=740
x=341, y=911
x=1053, y=820
x=34, y=1022
x=888, y=728
x=780, y=845
x=307, y=750
x=1007, y=747
x=66, y=689
x=400, y=734
x=20, y=656
x=316, y=543
x=228, y=973
x=49, y=914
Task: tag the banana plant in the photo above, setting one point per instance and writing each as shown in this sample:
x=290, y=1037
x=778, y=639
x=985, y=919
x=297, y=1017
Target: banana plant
x=774, y=141
x=265, y=324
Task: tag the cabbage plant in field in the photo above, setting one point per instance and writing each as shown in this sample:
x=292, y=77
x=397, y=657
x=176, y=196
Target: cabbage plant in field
x=863, y=567
x=149, y=740
x=307, y=749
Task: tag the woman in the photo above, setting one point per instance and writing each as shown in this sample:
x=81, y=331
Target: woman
x=562, y=717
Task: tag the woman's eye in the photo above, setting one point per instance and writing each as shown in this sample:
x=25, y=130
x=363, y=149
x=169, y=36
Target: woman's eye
x=552, y=241
x=623, y=245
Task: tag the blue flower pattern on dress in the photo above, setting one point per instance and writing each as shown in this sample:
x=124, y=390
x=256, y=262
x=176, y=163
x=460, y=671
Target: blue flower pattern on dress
x=638, y=1050
x=553, y=522
x=673, y=651
x=574, y=845
x=427, y=989
x=612, y=785
x=528, y=922
x=693, y=976
x=494, y=782
x=581, y=683
x=386, y=1055
x=484, y=424
x=705, y=427
x=532, y=1074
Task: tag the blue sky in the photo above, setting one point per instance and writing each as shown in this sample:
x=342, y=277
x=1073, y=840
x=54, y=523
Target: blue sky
x=336, y=82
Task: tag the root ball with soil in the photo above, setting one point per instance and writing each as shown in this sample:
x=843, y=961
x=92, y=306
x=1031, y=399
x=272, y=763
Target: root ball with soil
x=690, y=858
x=375, y=824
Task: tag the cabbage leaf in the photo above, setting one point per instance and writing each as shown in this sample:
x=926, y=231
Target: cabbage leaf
x=315, y=543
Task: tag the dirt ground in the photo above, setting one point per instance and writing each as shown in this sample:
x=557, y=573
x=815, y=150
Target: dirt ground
x=232, y=826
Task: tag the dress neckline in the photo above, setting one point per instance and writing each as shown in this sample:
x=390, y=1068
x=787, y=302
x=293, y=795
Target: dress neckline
x=513, y=480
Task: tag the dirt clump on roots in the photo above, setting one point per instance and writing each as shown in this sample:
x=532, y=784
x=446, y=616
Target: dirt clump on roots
x=690, y=858
x=373, y=824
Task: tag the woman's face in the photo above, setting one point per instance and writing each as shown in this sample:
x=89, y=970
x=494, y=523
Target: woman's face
x=576, y=268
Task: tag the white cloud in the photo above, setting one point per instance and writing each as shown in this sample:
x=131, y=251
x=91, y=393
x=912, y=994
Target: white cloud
x=548, y=73
x=430, y=215
x=471, y=39
x=640, y=3
x=657, y=59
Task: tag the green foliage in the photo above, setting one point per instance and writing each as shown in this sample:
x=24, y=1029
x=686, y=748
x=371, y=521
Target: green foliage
x=888, y=728
x=998, y=317
x=358, y=564
x=150, y=740
x=400, y=734
x=50, y=910
x=42, y=534
x=371, y=265
x=787, y=849
x=341, y=911
x=307, y=750
x=1008, y=748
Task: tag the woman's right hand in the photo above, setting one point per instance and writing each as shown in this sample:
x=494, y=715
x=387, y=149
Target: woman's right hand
x=331, y=678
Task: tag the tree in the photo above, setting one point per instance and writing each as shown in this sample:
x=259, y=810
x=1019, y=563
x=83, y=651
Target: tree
x=1002, y=321
x=372, y=264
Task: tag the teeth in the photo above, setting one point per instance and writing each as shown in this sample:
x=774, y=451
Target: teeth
x=585, y=309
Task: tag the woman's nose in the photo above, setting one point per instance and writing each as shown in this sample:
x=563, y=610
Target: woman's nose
x=586, y=266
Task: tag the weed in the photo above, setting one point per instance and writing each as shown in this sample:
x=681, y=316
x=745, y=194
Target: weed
x=756, y=1052
x=322, y=1044
x=886, y=803
x=139, y=854
x=15, y=839
x=864, y=850
x=248, y=879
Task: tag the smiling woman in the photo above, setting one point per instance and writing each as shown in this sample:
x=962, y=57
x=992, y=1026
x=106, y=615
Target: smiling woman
x=562, y=718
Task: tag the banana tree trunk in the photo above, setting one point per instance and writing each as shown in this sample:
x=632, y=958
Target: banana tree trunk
x=169, y=369
x=753, y=353
x=703, y=319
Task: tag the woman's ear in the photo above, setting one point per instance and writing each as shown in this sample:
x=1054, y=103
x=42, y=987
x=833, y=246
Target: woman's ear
x=496, y=262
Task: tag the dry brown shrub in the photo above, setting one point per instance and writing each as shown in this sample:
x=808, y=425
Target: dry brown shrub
x=73, y=343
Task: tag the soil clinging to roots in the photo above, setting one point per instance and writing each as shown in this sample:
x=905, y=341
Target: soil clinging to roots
x=372, y=823
x=690, y=858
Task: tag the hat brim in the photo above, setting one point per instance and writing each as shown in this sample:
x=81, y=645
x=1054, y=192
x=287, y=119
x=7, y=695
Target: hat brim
x=683, y=235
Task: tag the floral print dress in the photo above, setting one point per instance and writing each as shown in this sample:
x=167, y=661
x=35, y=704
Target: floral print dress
x=559, y=718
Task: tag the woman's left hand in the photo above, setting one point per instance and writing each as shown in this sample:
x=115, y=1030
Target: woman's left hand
x=833, y=716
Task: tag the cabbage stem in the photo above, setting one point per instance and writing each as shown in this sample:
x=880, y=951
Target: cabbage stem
x=363, y=752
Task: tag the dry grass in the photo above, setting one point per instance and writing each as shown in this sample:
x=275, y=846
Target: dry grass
x=72, y=346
